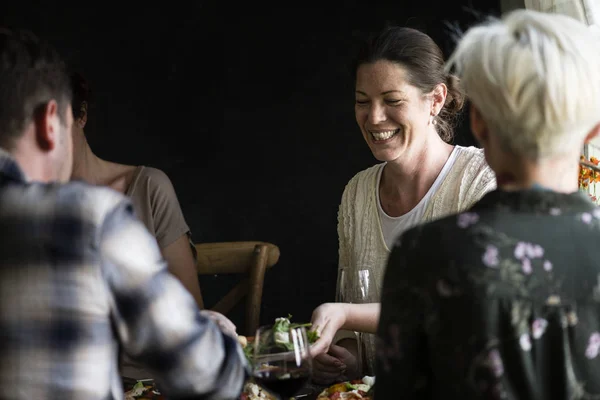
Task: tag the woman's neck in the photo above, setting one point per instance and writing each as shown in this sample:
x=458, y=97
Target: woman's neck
x=87, y=166
x=557, y=174
x=96, y=171
x=416, y=171
x=404, y=182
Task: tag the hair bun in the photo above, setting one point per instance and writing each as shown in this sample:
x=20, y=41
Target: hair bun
x=455, y=98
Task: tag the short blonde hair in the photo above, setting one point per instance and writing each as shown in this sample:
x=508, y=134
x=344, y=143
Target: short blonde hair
x=535, y=79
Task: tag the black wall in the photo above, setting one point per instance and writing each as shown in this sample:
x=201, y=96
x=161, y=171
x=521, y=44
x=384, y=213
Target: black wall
x=249, y=111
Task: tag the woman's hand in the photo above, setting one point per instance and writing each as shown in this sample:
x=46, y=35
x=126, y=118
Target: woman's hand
x=222, y=322
x=327, y=319
x=339, y=364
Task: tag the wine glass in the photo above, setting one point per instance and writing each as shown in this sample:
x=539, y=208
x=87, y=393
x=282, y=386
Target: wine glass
x=282, y=361
x=366, y=291
x=358, y=286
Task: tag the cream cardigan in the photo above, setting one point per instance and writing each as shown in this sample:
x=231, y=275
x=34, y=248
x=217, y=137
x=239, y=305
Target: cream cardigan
x=361, y=242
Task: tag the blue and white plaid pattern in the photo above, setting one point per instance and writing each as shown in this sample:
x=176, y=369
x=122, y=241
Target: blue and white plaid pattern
x=80, y=277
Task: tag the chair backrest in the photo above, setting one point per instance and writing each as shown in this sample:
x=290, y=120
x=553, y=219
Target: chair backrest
x=250, y=258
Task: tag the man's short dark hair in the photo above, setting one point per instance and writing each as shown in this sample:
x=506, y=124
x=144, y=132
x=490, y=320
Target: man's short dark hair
x=31, y=74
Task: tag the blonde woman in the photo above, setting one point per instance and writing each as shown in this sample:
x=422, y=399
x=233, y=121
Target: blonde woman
x=508, y=304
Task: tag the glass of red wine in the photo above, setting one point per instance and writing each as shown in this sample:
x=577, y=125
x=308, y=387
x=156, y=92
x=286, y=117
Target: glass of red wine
x=282, y=361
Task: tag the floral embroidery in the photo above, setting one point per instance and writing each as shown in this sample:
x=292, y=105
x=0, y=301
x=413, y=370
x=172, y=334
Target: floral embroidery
x=547, y=266
x=535, y=251
x=593, y=346
x=591, y=352
x=490, y=257
x=494, y=363
x=596, y=213
x=538, y=328
x=564, y=322
x=525, y=252
x=555, y=211
x=586, y=218
x=526, y=264
x=553, y=300
x=467, y=219
x=520, y=250
x=525, y=342
x=572, y=318
x=529, y=250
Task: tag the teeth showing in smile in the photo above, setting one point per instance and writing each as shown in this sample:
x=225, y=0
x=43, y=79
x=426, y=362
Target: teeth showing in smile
x=383, y=135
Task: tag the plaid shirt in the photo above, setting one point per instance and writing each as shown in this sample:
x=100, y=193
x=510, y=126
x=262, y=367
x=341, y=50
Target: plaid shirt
x=81, y=278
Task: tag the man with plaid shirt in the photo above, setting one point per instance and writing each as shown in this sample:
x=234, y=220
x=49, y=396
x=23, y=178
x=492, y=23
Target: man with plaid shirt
x=80, y=277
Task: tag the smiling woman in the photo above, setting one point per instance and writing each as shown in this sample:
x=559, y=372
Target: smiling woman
x=405, y=106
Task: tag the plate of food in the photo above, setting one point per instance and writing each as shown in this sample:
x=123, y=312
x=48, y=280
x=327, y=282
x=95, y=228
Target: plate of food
x=141, y=390
x=358, y=389
x=254, y=392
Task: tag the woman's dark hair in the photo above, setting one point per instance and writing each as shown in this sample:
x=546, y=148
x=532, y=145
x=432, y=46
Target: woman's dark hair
x=81, y=93
x=424, y=63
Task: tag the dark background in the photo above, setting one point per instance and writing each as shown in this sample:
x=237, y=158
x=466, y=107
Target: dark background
x=249, y=111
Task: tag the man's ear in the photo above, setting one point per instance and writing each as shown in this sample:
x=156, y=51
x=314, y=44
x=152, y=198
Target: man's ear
x=83, y=110
x=47, y=125
x=478, y=126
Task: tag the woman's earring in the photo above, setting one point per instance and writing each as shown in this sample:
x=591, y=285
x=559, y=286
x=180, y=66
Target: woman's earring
x=432, y=120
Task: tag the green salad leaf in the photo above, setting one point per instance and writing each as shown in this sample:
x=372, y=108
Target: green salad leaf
x=282, y=325
x=312, y=336
x=249, y=351
x=138, y=385
x=281, y=331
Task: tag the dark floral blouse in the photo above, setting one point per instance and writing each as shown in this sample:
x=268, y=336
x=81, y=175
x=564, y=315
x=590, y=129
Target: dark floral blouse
x=499, y=302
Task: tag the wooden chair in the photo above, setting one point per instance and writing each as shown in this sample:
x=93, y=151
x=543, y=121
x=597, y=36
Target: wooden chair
x=250, y=258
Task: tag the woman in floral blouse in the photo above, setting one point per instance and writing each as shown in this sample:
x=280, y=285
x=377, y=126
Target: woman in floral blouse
x=503, y=301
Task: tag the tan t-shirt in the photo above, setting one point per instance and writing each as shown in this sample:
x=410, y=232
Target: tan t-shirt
x=156, y=205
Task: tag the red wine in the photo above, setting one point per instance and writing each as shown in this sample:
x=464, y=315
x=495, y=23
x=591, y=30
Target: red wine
x=285, y=385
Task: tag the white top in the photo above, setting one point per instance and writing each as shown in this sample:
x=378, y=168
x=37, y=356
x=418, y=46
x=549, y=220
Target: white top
x=392, y=227
x=361, y=240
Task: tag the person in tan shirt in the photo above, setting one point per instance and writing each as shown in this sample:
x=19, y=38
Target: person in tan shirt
x=151, y=192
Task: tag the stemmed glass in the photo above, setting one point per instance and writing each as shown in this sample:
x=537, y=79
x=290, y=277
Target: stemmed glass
x=282, y=361
x=357, y=286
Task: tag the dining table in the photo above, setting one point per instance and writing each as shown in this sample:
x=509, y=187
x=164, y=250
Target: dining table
x=132, y=373
x=309, y=392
